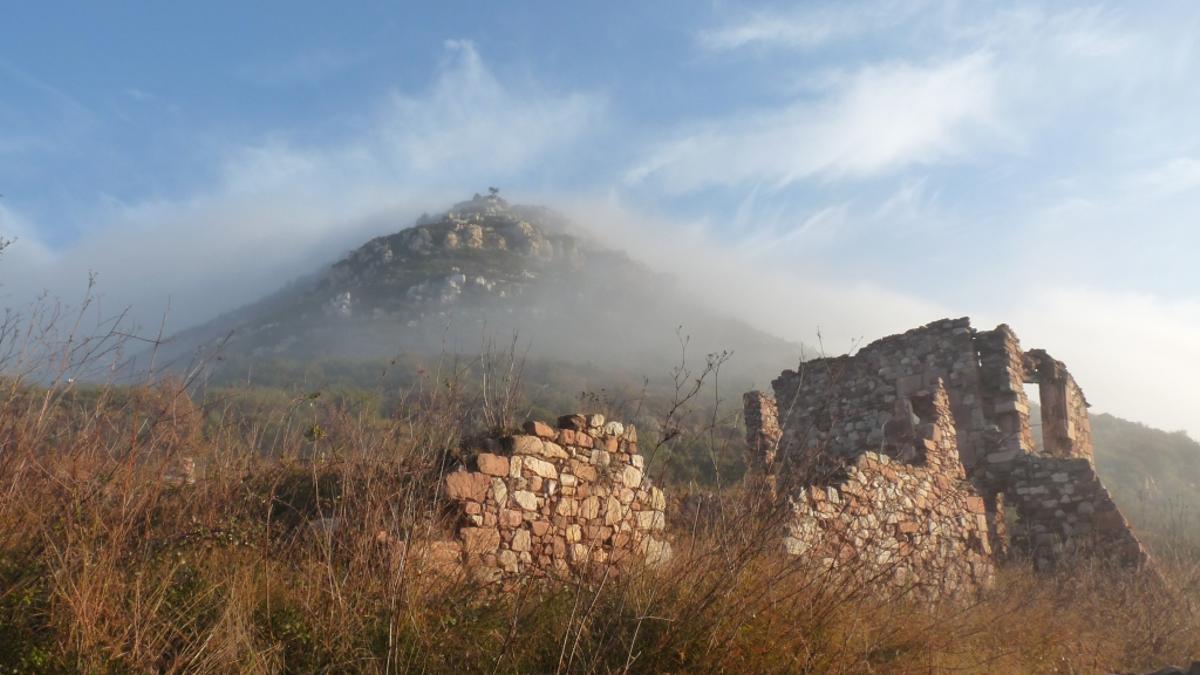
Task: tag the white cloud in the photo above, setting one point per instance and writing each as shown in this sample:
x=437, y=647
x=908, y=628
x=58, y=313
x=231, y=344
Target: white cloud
x=746, y=280
x=805, y=27
x=278, y=208
x=1136, y=355
x=770, y=29
x=882, y=118
x=1181, y=174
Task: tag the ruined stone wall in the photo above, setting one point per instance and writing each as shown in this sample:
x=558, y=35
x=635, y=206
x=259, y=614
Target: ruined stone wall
x=560, y=500
x=1062, y=505
x=915, y=526
x=837, y=407
x=1002, y=402
x=834, y=411
x=1066, y=429
x=762, y=441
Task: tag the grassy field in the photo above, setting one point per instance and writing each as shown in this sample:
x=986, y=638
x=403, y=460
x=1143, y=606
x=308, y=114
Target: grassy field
x=111, y=562
x=302, y=545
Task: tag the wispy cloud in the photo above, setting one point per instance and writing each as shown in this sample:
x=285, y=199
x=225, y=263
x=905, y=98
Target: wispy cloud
x=279, y=206
x=880, y=118
x=1180, y=174
x=306, y=67
x=804, y=27
x=1133, y=353
x=768, y=28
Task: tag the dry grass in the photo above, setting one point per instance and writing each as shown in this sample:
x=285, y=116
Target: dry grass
x=109, y=564
x=106, y=565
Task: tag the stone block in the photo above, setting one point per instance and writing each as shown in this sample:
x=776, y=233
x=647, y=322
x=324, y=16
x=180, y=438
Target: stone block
x=511, y=518
x=658, y=500
x=540, y=429
x=526, y=500
x=615, y=429
x=567, y=507
x=523, y=445
x=493, y=465
x=541, y=468
x=500, y=491
x=584, y=471
x=521, y=541
x=467, y=485
x=651, y=520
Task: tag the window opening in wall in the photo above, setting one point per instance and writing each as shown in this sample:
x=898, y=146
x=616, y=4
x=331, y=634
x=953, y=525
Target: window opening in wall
x=1033, y=392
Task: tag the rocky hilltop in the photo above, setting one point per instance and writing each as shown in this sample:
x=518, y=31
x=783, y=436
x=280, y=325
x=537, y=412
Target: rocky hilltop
x=486, y=269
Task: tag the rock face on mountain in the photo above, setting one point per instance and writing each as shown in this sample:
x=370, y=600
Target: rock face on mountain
x=486, y=270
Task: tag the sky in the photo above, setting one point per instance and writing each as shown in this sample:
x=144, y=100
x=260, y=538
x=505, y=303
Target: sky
x=842, y=169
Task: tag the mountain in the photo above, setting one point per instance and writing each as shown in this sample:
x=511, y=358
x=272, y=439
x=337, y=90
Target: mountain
x=487, y=270
x=1142, y=464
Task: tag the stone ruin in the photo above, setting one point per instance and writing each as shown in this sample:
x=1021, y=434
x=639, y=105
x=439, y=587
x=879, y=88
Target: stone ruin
x=907, y=455
x=559, y=501
x=911, y=462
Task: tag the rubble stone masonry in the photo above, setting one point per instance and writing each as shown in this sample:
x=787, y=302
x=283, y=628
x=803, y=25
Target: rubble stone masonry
x=916, y=525
x=856, y=436
x=563, y=500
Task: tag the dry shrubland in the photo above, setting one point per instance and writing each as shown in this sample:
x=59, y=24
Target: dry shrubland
x=301, y=546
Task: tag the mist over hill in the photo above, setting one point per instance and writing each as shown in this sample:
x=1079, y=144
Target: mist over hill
x=486, y=272
x=585, y=318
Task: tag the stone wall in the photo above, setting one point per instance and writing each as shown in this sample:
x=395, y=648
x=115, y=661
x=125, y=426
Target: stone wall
x=915, y=525
x=1062, y=507
x=877, y=403
x=836, y=408
x=565, y=500
x=1003, y=404
x=762, y=440
x=1066, y=430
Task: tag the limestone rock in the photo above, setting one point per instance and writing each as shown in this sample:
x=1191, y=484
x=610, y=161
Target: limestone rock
x=500, y=492
x=521, y=541
x=614, y=429
x=526, y=500
x=541, y=468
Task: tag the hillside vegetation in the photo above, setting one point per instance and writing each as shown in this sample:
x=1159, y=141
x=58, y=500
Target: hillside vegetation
x=302, y=546
x=1144, y=466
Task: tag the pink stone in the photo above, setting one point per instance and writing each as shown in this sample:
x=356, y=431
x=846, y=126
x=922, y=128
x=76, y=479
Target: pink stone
x=466, y=485
x=493, y=465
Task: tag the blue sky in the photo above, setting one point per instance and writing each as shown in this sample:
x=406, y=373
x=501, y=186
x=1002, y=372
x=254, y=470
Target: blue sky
x=858, y=167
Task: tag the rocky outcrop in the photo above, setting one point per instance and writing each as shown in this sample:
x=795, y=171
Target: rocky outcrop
x=564, y=500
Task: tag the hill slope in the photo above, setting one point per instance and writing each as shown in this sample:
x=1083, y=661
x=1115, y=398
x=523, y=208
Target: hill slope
x=487, y=270
x=1144, y=464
